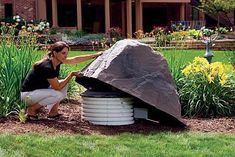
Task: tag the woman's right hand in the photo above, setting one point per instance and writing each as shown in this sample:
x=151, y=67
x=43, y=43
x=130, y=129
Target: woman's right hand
x=76, y=73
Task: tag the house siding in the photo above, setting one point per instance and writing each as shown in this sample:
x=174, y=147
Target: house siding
x=25, y=8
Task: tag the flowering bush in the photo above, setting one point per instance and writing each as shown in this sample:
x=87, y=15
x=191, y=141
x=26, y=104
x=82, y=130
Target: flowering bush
x=23, y=27
x=207, y=90
x=139, y=34
x=115, y=33
x=162, y=36
x=207, y=32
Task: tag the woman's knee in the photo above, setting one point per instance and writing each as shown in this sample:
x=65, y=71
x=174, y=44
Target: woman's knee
x=59, y=95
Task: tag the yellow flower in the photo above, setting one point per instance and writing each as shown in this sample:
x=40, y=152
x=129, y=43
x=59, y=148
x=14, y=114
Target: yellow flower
x=223, y=79
x=217, y=68
x=210, y=79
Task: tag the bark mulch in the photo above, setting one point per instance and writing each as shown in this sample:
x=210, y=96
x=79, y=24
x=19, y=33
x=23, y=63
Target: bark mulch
x=71, y=123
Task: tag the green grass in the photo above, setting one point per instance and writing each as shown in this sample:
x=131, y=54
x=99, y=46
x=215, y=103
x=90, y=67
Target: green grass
x=78, y=66
x=155, y=144
x=186, y=55
x=189, y=55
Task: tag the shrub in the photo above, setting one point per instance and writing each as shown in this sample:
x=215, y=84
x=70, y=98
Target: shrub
x=115, y=33
x=207, y=90
x=207, y=32
x=139, y=34
x=162, y=36
x=221, y=30
x=195, y=34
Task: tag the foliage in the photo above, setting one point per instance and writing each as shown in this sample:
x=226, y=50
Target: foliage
x=216, y=7
x=180, y=26
x=17, y=55
x=207, y=32
x=221, y=30
x=231, y=57
x=30, y=26
x=115, y=33
x=162, y=36
x=207, y=90
x=139, y=34
x=53, y=31
x=72, y=84
x=22, y=116
x=79, y=33
x=75, y=33
x=176, y=62
x=195, y=34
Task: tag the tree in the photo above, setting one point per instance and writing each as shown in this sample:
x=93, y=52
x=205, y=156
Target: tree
x=217, y=7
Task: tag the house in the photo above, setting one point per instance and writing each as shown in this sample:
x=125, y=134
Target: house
x=100, y=15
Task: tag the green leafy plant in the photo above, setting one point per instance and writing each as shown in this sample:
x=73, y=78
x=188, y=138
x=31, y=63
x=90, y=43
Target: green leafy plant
x=176, y=64
x=22, y=116
x=162, y=36
x=17, y=55
x=217, y=7
x=208, y=90
x=207, y=32
x=221, y=30
x=139, y=34
x=115, y=33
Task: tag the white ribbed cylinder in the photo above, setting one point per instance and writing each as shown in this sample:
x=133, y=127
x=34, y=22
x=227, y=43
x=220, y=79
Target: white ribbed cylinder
x=107, y=111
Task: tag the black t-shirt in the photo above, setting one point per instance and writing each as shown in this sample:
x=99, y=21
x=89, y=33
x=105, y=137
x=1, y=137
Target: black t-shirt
x=37, y=77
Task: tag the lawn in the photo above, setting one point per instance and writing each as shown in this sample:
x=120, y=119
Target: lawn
x=127, y=144
x=188, y=55
x=154, y=144
x=175, y=58
x=185, y=55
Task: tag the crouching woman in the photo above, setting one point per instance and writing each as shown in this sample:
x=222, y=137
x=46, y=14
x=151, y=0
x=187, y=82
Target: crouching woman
x=41, y=88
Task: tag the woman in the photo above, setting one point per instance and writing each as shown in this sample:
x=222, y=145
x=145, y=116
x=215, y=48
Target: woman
x=41, y=88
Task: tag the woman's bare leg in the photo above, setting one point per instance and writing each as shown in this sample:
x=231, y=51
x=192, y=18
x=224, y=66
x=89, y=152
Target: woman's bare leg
x=54, y=110
x=33, y=109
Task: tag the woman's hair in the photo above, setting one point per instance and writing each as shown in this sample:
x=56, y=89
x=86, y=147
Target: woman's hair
x=56, y=47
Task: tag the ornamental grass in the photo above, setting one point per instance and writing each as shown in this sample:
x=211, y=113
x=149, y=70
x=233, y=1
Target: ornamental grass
x=17, y=56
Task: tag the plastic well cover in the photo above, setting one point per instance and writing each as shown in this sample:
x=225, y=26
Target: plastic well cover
x=137, y=70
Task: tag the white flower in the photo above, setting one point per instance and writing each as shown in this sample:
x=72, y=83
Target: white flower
x=42, y=23
x=36, y=28
x=29, y=29
x=17, y=20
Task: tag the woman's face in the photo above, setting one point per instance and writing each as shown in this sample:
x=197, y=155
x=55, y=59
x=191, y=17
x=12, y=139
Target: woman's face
x=62, y=55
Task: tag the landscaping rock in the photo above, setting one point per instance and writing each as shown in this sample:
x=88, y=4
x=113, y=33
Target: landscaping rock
x=134, y=68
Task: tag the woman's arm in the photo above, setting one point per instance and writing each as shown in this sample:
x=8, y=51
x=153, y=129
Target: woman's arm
x=55, y=84
x=78, y=59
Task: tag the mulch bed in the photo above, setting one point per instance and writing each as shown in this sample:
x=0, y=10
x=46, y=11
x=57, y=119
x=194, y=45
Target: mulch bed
x=71, y=123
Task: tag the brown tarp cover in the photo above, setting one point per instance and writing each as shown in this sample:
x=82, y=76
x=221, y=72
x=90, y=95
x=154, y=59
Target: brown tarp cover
x=134, y=68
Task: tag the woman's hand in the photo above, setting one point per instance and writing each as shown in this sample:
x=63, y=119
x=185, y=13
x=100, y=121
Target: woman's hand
x=76, y=73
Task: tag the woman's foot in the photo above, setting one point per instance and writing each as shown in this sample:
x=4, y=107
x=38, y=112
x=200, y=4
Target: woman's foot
x=55, y=116
x=32, y=117
x=32, y=110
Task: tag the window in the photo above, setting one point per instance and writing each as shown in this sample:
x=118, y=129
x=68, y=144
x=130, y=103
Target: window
x=195, y=14
x=8, y=10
